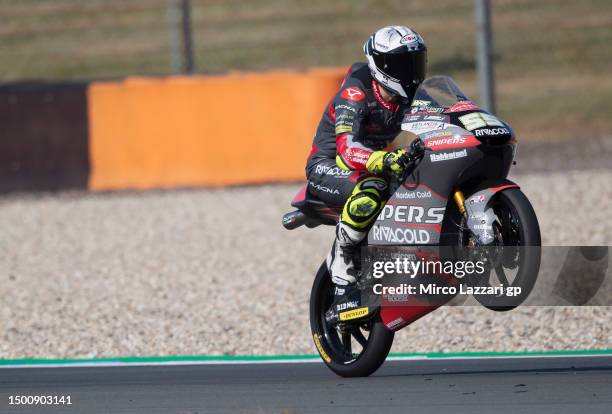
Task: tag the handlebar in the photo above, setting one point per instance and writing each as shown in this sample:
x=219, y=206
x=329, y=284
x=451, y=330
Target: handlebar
x=416, y=152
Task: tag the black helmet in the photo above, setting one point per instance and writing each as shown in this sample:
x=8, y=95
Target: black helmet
x=397, y=57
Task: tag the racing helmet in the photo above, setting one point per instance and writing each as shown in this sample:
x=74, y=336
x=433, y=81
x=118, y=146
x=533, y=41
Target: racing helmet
x=397, y=57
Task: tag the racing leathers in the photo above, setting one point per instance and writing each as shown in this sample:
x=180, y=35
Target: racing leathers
x=347, y=160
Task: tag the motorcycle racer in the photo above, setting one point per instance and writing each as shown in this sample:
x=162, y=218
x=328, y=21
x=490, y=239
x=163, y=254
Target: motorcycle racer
x=348, y=164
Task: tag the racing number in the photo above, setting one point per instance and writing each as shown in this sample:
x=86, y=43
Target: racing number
x=479, y=120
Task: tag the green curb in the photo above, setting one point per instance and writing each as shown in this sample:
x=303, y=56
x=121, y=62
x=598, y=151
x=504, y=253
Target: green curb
x=280, y=358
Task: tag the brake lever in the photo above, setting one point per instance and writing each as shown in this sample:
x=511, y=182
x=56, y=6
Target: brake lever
x=414, y=163
x=418, y=148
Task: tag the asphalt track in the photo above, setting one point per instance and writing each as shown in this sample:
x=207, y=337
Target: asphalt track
x=561, y=384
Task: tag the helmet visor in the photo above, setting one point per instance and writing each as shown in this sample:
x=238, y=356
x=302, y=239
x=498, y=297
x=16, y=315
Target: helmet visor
x=408, y=68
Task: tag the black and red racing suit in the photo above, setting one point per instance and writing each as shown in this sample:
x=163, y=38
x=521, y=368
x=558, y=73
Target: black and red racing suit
x=357, y=121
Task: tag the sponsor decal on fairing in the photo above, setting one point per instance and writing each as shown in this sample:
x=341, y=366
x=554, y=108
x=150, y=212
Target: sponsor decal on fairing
x=412, y=214
x=400, y=235
x=477, y=120
x=446, y=156
x=491, y=131
x=451, y=141
x=418, y=102
x=426, y=109
x=425, y=117
x=457, y=139
x=411, y=195
x=420, y=127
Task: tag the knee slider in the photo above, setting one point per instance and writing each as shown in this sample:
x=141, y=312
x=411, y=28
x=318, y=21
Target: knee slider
x=365, y=202
x=362, y=207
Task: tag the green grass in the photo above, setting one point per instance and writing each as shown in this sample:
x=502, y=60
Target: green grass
x=538, y=43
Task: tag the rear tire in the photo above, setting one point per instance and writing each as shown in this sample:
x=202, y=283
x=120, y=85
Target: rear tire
x=375, y=347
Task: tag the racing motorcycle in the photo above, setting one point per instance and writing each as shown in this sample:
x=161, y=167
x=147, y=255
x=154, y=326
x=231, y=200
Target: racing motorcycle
x=456, y=194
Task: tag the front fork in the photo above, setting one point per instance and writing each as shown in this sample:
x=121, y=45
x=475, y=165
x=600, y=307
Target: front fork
x=477, y=214
x=459, y=198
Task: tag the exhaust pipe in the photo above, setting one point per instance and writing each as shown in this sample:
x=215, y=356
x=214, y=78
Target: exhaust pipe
x=296, y=218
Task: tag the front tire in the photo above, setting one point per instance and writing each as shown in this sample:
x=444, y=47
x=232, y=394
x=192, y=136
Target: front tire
x=519, y=230
x=335, y=347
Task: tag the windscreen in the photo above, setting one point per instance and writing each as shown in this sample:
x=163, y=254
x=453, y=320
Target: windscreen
x=438, y=91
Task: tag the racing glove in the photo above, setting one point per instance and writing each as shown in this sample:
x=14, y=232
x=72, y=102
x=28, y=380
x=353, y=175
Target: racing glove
x=392, y=162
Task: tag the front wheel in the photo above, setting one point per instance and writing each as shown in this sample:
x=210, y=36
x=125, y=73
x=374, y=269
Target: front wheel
x=349, y=349
x=517, y=235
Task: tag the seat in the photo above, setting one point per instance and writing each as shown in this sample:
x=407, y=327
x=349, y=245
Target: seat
x=311, y=211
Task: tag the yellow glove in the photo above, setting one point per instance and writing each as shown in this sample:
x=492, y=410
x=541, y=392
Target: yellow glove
x=383, y=162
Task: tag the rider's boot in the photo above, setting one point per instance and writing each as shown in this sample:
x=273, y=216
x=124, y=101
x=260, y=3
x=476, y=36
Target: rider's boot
x=343, y=270
x=341, y=258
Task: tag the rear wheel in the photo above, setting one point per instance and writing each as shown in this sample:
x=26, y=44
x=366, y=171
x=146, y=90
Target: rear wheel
x=354, y=349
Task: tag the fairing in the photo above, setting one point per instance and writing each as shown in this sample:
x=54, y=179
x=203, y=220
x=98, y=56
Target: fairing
x=458, y=157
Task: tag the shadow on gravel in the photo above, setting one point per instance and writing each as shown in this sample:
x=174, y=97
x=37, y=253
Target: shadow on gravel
x=535, y=156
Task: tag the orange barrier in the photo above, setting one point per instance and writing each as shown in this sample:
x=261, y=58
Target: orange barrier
x=205, y=130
